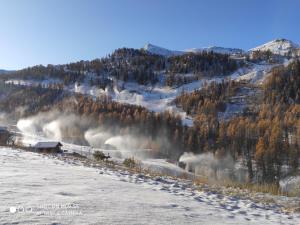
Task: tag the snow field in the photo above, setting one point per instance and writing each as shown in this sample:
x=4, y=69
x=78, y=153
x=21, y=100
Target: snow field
x=106, y=196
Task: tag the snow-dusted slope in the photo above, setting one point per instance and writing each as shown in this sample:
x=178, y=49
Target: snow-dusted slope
x=278, y=46
x=220, y=50
x=36, y=189
x=166, y=52
x=161, y=51
x=256, y=73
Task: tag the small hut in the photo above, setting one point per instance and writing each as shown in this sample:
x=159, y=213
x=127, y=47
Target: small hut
x=48, y=147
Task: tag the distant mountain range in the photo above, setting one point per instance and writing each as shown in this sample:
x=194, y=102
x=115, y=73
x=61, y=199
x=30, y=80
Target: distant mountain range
x=166, y=52
x=5, y=71
x=278, y=46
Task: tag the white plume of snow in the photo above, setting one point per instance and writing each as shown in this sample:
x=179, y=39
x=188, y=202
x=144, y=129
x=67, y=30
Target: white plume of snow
x=96, y=137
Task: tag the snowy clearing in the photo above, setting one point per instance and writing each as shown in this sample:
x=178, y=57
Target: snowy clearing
x=34, y=187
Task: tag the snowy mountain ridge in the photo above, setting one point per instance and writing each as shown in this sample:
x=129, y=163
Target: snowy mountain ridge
x=166, y=52
x=216, y=49
x=277, y=46
x=3, y=71
x=161, y=51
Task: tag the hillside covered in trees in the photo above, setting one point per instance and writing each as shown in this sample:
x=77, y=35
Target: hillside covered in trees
x=264, y=135
x=127, y=64
x=265, y=139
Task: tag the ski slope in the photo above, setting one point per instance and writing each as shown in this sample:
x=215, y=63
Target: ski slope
x=37, y=189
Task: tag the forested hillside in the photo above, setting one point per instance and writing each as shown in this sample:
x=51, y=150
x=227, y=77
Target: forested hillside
x=265, y=139
x=268, y=133
x=263, y=134
x=134, y=65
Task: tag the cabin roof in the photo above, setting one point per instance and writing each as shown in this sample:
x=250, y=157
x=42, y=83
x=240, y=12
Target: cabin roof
x=48, y=144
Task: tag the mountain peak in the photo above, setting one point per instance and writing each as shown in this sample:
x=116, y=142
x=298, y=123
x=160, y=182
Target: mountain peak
x=280, y=46
x=154, y=49
x=149, y=46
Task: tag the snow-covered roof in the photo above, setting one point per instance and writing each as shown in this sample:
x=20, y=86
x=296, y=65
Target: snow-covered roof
x=48, y=144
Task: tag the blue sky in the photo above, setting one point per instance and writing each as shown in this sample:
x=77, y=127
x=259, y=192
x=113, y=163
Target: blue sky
x=61, y=31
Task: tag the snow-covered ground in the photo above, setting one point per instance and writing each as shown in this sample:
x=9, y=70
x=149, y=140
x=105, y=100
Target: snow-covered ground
x=37, y=189
x=255, y=73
